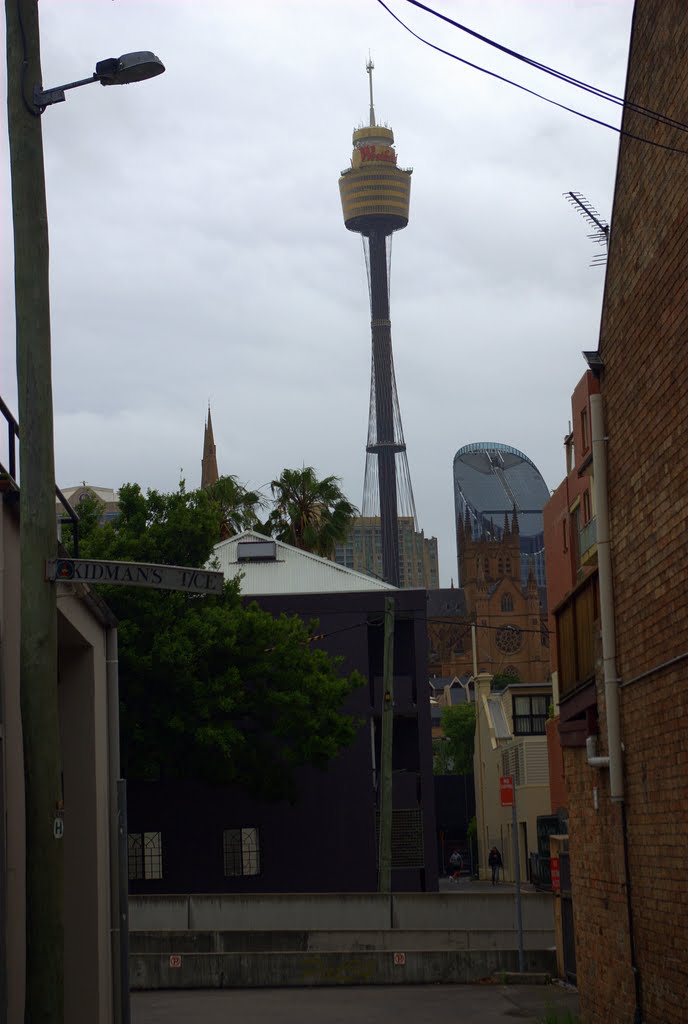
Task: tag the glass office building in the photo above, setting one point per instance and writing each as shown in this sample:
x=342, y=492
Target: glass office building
x=491, y=479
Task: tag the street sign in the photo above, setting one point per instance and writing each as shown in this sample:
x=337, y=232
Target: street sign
x=555, y=873
x=399, y=959
x=506, y=790
x=134, y=574
x=175, y=960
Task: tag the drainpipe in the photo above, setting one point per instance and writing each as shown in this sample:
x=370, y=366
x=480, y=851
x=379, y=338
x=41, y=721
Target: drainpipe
x=611, y=680
x=604, y=572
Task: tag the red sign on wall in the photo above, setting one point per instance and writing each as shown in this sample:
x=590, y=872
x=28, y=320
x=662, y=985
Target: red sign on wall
x=506, y=790
x=555, y=873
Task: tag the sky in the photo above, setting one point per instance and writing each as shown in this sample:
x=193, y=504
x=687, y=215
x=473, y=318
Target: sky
x=198, y=252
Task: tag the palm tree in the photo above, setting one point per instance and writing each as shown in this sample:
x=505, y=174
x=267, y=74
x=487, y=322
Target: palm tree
x=238, y=505
x=309, y=513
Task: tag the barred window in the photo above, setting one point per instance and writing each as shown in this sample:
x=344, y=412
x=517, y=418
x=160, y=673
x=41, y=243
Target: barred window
x=241, y=848
x=507, y=603
x=145, y=854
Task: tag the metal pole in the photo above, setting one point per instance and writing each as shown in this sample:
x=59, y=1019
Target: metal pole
x=517, y=877
x=38, y=527
x=123, y=901
x=386, y=743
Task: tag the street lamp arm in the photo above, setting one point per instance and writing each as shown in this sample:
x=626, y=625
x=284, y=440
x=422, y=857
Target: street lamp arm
x=43, y=98
x=130, y=67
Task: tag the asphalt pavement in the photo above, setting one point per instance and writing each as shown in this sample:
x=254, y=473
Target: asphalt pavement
x=389, y=1004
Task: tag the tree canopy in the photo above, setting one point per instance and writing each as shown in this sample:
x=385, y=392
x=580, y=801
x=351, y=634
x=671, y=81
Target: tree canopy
x=310, y=513
x=453, y=755
x=210, y=688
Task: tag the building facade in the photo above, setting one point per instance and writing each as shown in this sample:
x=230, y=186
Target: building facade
x=491, y=481
x=510, y=739
x=418, y=559
x=623, y=650
x=219, y=839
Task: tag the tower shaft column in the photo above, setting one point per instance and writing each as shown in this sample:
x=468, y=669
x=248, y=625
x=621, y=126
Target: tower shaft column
x=384, y=406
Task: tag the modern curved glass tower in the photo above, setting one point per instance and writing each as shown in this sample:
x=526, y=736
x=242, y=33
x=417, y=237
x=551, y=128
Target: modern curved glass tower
x=491, y=479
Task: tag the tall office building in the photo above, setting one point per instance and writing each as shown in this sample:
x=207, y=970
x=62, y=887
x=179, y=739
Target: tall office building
x=418, y=565
x=375, y=196
x=500, y=493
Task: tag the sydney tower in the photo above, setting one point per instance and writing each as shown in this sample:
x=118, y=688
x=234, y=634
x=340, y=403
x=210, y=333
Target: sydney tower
x=375, y=196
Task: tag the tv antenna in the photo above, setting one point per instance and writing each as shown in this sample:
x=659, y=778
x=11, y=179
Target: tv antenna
x=600, y=233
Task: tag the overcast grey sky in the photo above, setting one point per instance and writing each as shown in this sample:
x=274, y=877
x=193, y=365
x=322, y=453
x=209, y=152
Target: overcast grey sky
x=198, y=250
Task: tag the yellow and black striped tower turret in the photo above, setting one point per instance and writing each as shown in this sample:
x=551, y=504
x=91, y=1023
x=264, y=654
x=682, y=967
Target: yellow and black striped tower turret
x=375, y=193
x=375, y=197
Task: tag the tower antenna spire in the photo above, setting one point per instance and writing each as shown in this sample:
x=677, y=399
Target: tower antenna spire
x=369, y=68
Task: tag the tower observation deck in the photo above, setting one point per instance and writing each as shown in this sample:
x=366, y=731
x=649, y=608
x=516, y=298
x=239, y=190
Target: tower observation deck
x=375, y=196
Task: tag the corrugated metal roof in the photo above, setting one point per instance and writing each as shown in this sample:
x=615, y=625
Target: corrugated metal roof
x=293, y=571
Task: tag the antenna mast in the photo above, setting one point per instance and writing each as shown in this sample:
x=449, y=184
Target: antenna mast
x=599, y=225
x=369, y=69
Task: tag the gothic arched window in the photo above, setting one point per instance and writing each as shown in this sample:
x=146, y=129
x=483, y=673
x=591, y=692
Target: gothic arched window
x=486, y=566
x=507, y=603
x=500, y=567
x=508, y=567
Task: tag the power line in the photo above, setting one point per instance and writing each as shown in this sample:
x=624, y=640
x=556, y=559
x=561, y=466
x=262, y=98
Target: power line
x=531, y=92
x=561, y=75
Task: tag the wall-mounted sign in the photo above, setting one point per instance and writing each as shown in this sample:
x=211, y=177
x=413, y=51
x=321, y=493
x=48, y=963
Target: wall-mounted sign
x=399, y=959
x=506, y=790
x=175, y=960
x=373, y=154
x=555, y=873
x=134, y=574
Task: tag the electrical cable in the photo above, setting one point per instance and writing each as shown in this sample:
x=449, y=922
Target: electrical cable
x=561, y=75
x=531, y=92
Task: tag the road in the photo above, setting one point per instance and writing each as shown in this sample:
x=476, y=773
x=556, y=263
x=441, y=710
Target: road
x=391, y=1004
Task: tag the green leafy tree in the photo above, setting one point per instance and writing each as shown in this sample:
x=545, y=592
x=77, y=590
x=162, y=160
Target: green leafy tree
x=458, y=726
x=239, y=506
x=310, y=513
x=212, y=689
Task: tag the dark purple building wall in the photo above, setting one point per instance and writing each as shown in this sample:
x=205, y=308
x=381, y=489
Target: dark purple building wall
x=326, y=841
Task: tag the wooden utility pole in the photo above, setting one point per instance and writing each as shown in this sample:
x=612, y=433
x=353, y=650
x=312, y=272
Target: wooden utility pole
x=386, y=744
x=38, y=530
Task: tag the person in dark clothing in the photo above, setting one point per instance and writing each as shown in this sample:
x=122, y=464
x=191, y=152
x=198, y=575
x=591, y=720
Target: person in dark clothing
x=495, y=862
x=455, y=863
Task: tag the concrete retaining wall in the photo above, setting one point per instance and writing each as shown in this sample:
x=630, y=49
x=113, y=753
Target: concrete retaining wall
x=336, y=912
x=258, y=970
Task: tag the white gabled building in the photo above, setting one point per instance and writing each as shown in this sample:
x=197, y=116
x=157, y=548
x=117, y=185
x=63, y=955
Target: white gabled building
x=270, y=566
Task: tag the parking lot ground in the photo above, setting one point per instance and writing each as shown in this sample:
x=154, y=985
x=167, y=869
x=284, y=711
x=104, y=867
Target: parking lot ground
x=389, y=1004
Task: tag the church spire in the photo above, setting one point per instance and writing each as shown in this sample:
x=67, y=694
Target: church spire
x=209, y=473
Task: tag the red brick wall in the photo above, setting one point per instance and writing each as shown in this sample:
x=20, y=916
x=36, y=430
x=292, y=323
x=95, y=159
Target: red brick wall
x=644, y=346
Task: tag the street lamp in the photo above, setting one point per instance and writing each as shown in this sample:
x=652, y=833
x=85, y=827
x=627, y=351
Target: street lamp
x=130, y=67
x=44, y=985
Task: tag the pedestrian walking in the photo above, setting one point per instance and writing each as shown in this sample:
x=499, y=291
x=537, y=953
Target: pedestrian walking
x=456, y=863
x=495, y=862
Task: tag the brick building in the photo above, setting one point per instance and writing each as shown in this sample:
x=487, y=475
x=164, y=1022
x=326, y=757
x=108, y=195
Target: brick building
x=623, y=649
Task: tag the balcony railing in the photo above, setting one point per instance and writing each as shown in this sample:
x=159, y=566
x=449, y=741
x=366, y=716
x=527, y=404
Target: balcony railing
x=10, y=475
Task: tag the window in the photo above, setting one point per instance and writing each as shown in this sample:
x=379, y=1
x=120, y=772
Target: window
x=500, y=567
x=508, y=567
x=241, y=849
x=256, y=551
x=486, y=566
x=507, y=603
x=530, y=715
x=587, y=510
x=145, y=854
